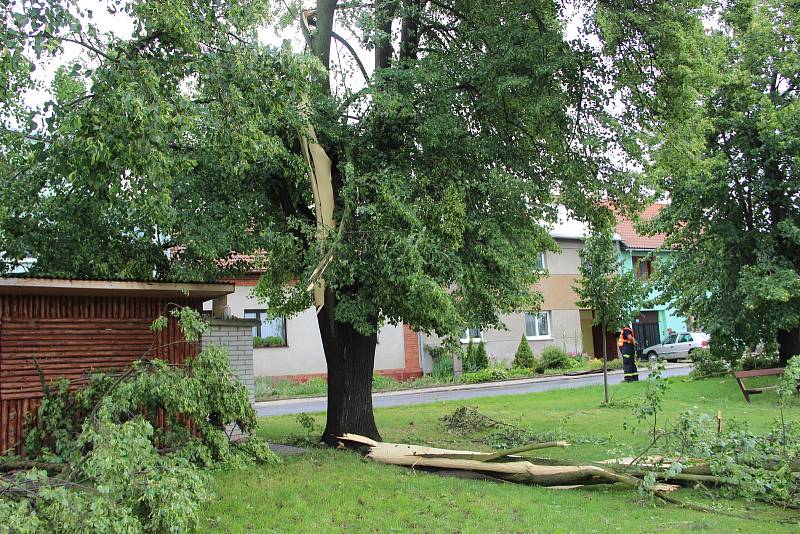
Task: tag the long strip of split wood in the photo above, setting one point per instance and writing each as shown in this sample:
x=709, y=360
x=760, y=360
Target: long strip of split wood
x=514, y=470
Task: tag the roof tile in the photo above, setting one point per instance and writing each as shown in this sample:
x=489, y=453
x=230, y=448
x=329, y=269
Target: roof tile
x=633, y=239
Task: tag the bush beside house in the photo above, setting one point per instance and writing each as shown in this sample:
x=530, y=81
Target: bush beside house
x=524, y=358
x=554, y=357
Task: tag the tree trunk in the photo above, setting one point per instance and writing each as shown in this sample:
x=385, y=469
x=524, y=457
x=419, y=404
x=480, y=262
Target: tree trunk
x=605, y=363
x=788, y=344
x=350, y=356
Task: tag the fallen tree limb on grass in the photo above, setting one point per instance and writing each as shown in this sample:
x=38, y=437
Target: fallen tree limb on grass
x=515, y=469
x=508, y=467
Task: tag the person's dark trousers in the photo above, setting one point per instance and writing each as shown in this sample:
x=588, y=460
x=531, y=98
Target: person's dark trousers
x=629, y=367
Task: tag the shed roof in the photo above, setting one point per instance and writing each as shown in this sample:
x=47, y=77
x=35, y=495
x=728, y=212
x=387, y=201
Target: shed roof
x=33, y=285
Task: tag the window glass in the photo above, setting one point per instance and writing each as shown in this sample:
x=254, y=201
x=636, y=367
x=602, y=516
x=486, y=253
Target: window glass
x=274, y=329
x=670, y=339
x=250, y=314
x=530, y=325
x=643, y=267
x=541, y=264
x=685, y=338
x=544, y=324
x=471, y=333
x=537, y=325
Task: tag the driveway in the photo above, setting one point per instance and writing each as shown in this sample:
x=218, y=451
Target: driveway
x=467, y=391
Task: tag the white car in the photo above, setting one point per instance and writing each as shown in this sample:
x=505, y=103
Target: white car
x=678, y=346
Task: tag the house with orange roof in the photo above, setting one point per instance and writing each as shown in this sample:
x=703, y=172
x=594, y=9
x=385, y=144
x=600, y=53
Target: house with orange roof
x=641, y=253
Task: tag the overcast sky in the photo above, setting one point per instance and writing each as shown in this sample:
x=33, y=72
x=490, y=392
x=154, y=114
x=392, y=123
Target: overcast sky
x=122, y=26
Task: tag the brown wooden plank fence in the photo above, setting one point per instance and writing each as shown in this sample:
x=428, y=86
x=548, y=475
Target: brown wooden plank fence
x=71, y=336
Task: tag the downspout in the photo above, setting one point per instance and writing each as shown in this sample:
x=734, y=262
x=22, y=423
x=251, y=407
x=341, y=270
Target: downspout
x=421, y=350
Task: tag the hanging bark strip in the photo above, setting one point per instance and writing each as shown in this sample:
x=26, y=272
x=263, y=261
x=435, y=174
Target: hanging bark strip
x=319, y=174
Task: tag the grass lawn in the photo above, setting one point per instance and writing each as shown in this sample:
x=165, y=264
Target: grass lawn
x=268, y=388
x=334, y=491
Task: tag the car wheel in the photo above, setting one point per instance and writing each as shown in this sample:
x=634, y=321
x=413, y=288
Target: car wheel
x=652, y=354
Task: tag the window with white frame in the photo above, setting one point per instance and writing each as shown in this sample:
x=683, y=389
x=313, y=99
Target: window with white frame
x=472, y=334
x=537, y=325
x=269, y=332
x=541, y=264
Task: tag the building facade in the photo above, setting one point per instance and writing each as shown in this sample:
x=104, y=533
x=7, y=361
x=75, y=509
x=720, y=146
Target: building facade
x=641, y=254
x=291, y=347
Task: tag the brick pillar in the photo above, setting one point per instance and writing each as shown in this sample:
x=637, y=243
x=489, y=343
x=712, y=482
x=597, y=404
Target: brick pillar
x=235, y=335
x=411, y=351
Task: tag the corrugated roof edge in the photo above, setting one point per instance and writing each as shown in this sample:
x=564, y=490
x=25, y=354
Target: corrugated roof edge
x=40, y=276
x=47, y=285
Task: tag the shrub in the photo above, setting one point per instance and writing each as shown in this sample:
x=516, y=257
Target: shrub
x=756, y=360
x=706, y=363
x=269, y=341
x=485, y=375
x=578, y=358
x=524, y=356
x=467, y=362
x=554, y=357
x=442, y=368
x=480, y=359
x=443, y=357
x=476, y=358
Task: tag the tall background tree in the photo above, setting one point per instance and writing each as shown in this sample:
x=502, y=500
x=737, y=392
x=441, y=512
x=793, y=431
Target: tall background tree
x=615, y=297
x=435, y=163
x=728, y=162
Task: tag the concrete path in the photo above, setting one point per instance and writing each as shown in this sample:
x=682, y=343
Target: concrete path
x=466, y=391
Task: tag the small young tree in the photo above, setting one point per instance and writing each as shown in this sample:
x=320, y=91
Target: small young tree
x=524, y=357
x=480, y=359
x=467, y=362
x=614, y=297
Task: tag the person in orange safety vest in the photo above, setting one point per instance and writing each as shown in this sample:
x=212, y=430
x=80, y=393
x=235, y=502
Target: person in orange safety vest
x=627, y=349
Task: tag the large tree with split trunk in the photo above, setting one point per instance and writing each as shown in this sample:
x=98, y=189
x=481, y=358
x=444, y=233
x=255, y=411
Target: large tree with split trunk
x=402, y=167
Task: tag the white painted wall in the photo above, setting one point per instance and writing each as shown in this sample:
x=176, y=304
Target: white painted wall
x=304, y=354
x=501, y=345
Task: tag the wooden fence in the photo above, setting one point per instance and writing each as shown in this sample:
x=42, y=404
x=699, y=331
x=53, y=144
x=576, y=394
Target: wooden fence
x=69, y=337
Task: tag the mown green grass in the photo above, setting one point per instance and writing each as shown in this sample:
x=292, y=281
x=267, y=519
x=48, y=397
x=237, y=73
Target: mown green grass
x=268, y=388
x=336, y=491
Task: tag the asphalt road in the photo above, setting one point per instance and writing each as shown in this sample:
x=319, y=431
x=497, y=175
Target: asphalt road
x=407, y=397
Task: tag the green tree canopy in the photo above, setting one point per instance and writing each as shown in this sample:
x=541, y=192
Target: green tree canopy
x=183, y=145
x=728, y=162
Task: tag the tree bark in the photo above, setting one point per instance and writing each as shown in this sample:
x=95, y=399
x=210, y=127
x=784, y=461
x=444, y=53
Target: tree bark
x=350, y=356
x=324, y=22
x=788, y=344
x=605, y=364
x=409, y=32
x=384, y=14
